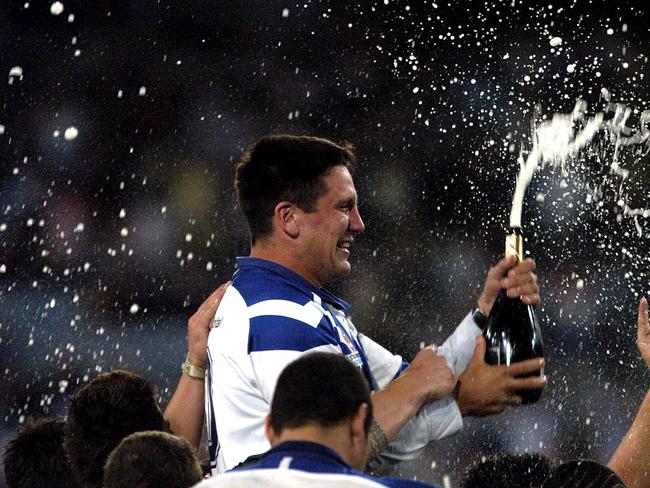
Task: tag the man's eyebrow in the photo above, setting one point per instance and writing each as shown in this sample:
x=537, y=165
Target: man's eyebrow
x=347, y=200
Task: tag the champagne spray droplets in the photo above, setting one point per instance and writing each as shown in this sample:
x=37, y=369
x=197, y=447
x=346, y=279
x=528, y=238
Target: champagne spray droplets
x=562, y=139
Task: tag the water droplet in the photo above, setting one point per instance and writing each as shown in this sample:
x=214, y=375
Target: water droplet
x=56, y=8
x=70, y=133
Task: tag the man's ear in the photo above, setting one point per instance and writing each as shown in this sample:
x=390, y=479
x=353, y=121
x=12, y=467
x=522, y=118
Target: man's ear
x=358, y=424
x=268, y=430
x=285, y=217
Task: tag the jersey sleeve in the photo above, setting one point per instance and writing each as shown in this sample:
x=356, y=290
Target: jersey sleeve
x=435, y=420
x=459, y=346
x=384, y=365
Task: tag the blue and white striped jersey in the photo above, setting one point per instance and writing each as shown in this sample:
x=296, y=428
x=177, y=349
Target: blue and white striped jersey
x=286, y=464
x=269, y=317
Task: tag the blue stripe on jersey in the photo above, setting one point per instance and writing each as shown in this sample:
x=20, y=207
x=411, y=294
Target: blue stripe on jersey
x=213, y=438
x=258, y=285
x=296, y=335
x=401, y=369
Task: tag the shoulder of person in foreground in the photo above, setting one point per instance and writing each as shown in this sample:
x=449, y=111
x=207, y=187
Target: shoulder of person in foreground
x=290, y=478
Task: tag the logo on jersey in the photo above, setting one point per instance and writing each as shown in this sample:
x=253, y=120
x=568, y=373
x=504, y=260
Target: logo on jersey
x=355, y=358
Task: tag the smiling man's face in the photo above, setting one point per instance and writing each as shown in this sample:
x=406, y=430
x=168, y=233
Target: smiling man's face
x=329, y=230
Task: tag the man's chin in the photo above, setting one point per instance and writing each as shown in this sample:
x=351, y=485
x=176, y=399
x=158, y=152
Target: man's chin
x=340, y=271
x=344, y=269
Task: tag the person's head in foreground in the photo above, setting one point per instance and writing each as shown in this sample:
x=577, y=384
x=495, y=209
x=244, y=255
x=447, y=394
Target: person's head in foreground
x=300, y=202
x=583, y=473
x=34, y=457
x=323, y=398
x=152, y=459
x=101, y=414
x=536, y=471
x=508, y=470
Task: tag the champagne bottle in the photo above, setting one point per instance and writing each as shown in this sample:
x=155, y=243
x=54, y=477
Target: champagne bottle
x=512, y=330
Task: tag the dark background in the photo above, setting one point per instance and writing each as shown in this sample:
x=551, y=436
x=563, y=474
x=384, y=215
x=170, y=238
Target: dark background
x=110, y=241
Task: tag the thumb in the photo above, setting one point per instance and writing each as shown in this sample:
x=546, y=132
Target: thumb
x=479, y=350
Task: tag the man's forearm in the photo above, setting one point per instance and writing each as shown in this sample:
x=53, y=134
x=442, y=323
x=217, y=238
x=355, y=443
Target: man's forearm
x=631, y=461
x=395, y=405
x=185, y=411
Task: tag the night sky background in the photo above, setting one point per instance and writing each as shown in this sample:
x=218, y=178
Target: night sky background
x=120, y=129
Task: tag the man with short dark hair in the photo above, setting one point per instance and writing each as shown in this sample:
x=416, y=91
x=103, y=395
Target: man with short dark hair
x=319, y=423
x=34, y=457
x=101, y=414
x=300, y=202
x=152, y=459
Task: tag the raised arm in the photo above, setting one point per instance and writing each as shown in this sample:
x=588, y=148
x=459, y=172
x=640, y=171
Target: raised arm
x=185, y=411
x=631, y=461
x=482, y=389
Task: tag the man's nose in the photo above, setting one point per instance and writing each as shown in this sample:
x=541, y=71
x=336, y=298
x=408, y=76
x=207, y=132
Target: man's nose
x=356, y=223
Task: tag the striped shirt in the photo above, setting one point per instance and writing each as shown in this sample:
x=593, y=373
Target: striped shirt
x=269, y=317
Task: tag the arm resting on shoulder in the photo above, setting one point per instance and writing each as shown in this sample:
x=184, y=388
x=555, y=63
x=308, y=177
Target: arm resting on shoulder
x=185, y=411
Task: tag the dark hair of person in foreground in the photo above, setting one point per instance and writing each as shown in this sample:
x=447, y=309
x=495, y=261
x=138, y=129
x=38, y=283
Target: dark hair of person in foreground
x=101, y=414
x=152, y=459
x=583, y=473
x=535, y=471
x=320, y=388
x=34, y=457
x=508, y=470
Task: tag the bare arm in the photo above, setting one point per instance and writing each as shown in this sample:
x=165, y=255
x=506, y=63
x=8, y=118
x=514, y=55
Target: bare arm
x=185, y=411
x=631, y=461
x=428, y=378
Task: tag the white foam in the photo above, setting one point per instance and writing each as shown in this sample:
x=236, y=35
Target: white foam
x=558, y=141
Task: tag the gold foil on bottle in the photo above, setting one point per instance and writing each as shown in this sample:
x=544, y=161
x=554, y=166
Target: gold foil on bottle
x=515, y=246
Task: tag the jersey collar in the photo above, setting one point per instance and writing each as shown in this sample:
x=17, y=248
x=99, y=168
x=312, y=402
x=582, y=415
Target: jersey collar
x=326, y=296
x=287, y=447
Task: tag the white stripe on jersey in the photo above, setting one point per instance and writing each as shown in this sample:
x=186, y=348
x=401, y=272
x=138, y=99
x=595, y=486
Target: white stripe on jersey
x=287, y=478
x=308, y=313
x=285, y=463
